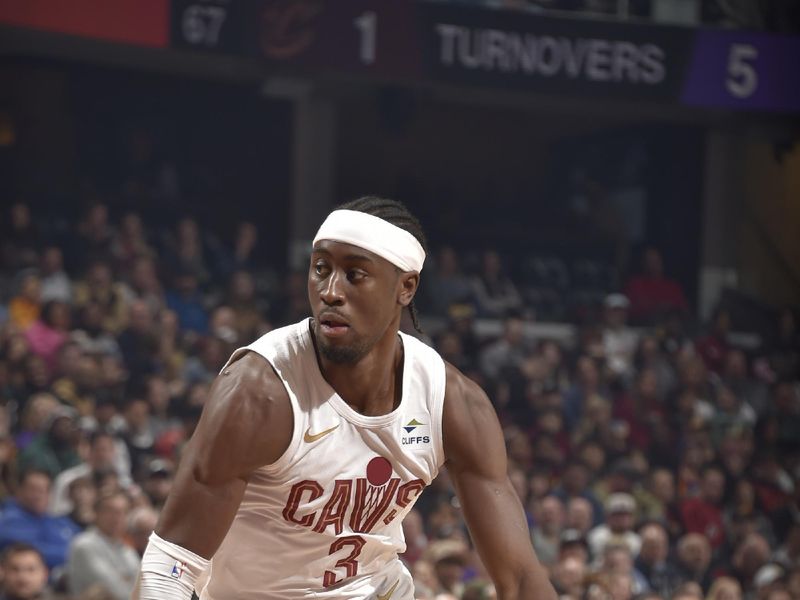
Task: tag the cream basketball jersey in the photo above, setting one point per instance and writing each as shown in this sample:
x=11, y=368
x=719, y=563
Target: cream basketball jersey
x=324, y=520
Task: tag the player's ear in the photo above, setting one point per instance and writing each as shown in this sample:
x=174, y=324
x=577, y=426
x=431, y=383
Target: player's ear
x=407, y=287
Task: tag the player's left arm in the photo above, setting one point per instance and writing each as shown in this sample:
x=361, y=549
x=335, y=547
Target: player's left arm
x=475, y=456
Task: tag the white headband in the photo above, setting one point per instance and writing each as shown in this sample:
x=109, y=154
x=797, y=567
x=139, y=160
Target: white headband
x=372, y=233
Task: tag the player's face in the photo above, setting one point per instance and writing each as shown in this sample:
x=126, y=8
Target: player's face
x=355, y=296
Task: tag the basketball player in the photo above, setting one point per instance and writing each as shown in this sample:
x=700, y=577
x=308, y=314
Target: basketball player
x=318, y=438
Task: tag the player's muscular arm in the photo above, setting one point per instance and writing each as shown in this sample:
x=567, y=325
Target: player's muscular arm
x=246, y=423
x=476, y=460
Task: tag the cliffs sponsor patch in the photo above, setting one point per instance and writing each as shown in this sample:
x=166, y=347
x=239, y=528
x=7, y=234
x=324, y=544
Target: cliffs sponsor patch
x=417, y=433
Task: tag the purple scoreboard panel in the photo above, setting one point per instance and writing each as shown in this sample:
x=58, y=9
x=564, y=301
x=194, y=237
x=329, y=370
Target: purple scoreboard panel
x=408, y=41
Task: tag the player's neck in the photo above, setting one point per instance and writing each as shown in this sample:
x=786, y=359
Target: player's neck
x=373, y=385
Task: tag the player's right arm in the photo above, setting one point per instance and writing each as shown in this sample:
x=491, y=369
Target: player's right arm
x=246, y=423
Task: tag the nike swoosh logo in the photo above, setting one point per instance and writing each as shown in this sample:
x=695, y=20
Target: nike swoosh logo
x=313, y=437
x=388, y=594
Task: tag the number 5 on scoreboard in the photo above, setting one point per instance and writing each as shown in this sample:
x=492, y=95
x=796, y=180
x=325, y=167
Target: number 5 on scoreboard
x=742, y=79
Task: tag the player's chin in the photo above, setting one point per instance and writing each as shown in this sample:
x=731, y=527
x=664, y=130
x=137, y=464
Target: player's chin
x=338, y=352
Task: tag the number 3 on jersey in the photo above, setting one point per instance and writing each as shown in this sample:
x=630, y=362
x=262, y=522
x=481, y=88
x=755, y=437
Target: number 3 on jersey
x=349, y=563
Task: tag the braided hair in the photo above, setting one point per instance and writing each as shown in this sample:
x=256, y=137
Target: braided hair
x=398, y=215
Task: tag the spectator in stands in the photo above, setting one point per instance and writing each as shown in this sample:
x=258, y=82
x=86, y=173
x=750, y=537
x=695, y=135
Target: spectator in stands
x=656, y=500
x=617, y=561
x=415, y=536
x=448, y=558
x=587, y=384
x=641, y=408
x=786, y=409
x=245, y=245
x=546, y=534
x=750, y=555
x=575, y=484
x=24, y=518
x=568, y=577
x=730, y=412
x=7, y=454
x=102, y=459
x=158, y=481
x=249, y=311
x=619, y=340
x=55, y=448
x=139, y=342
x=737, y=378
x=21, y=238
x=82, y=494
x=141, y=523
x=784, y=349
x=725, y=588
x=56, y=284
x=92, y=338
x=25, y=307
x=47, y=334
x=24, y=573
x=694, y=559
x=94, y=235
x=651, y=293
x=146, y=286
x=651, y=356
x=507, y=353
x=98, y=286
x=713, y=347
x=580, y=515
x=186, y=250
x=35, y=417
x=101, y=555
x=652, y=562
x=620, y=510
x=448, y=284
x=494, y=292
x=130, y=244
x=139, y=431
x=573, y=545
x=703, y=513
x=187, y=302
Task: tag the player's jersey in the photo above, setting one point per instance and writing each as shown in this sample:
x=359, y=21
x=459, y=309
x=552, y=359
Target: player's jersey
x=324, y=520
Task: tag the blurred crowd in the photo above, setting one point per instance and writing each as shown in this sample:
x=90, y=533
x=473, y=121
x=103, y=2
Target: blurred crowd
x=654, y=461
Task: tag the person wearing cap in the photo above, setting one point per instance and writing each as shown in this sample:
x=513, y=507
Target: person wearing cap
x=619, y=340
x=620, y=511
x=158, y=481
x=317, y=439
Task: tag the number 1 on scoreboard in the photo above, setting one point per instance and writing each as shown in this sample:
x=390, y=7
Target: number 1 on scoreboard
x=367, y=25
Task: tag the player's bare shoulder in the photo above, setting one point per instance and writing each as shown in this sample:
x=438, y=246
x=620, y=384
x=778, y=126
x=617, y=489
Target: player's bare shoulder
x=469, y=422
x=246, y=423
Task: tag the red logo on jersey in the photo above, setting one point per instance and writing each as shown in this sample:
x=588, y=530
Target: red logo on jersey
x=366, y=500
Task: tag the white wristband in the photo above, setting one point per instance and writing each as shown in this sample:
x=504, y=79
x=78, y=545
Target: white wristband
x=168, y=571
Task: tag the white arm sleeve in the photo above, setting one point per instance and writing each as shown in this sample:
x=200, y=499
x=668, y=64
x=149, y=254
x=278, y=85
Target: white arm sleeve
x=168, y=572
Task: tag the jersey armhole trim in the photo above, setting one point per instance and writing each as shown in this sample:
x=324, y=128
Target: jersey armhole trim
x=437, y=411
